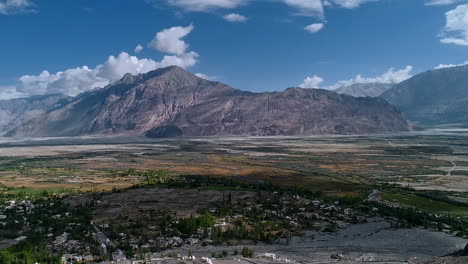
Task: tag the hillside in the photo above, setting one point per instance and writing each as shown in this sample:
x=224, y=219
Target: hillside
x=14, y=112
x=365, y=89
x=435, y=96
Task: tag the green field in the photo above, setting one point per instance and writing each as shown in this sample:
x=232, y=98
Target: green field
x=424, y=204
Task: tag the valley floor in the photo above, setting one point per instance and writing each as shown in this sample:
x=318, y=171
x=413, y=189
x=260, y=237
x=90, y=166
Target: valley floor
x=127, y=180
x=373, y=242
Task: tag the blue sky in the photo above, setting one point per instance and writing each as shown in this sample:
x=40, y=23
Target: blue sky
x=261, y=46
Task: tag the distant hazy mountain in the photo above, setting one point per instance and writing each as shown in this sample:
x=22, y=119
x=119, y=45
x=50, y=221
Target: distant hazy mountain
x=17, y=111
x=173, y=102
x=365, y=89
x=435, y=96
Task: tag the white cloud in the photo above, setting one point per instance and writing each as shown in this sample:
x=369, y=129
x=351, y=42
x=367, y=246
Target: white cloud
x=116, y=67
x=170, y=40
x=390, y=76
x=314, y=28
x=206, y=77
x=185, y=60
x=456, y=41
x=202, y=5
x=138, y=49
x=233, y=17
x=441, y=2
x=9, y=92
x=70, y=82
x=350, y=4
x=8, y=7
x=456, y=28
x=312, y=82
x=314, y=8
x=442, y=66
x=80, y=79
x=307, y=7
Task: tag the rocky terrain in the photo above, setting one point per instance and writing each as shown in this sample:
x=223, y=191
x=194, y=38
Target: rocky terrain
x=365, y=89
x=14, y=112
x=435, y=96
x=372, y=242
x=173, y=102
x=295, y=111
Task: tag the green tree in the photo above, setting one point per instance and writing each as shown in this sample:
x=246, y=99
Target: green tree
x=247, y=252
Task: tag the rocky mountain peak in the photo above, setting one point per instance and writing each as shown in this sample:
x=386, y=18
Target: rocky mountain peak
x=127, y=78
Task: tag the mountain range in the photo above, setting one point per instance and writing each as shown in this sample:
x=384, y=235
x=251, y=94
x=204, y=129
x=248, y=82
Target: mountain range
x=171, y=102
x=14, y=112
x=435, y=96
x=365, y=89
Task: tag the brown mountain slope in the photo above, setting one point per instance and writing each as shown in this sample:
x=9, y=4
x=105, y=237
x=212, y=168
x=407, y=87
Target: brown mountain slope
x=295, y=111
x=174, y=102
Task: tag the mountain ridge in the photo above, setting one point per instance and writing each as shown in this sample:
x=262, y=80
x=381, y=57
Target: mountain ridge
x=176, y=101
x=14, y=112
x=365, y=89
x=435, y=96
